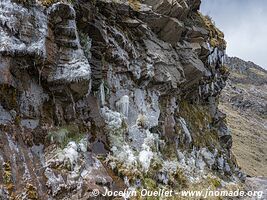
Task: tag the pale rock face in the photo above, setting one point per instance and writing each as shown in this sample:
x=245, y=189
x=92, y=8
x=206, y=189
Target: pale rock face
x=123, y=105
x=188, y=138
x=5, y=117
x=72, y=65
x=25, y=37
x=29, y=123
x=31, y=99
x=112, y=118
x=148, y=111
x=208, y=156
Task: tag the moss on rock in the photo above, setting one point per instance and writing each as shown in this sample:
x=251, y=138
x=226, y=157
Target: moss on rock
x=199, y=119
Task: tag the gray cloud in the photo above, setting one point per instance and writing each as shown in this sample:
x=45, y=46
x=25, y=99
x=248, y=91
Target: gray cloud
x=244, y=23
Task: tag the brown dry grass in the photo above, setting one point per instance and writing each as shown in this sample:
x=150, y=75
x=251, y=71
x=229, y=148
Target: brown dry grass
x=249, y=140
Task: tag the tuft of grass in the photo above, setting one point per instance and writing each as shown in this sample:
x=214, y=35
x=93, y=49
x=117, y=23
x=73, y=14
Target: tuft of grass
x=215, y=182
x=63, y=135
x=199, y=120
x=150, y=183
x=216, y=36
x=31, y=192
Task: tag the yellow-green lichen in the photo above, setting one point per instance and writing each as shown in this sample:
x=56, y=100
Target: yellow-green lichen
x=135, y=4
x=31, y=192
x=150, y=183
x=7, y=177
x=224, y=70
x=214, y=181
x=180, y=180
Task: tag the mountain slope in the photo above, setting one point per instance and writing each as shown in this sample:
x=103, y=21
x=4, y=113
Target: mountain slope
x=244, y=101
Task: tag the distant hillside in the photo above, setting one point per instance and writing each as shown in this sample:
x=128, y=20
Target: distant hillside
x=246, y=71
x=244, y=101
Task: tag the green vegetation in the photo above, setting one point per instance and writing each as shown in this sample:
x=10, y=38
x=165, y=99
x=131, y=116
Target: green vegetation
x=63, y=135
x=199, y=120
x=215, y=182
x=216, y=36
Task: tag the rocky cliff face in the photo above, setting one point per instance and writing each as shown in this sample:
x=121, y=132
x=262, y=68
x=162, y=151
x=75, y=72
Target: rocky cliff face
x=110, y=94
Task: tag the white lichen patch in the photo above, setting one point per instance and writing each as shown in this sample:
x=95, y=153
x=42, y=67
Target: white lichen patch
x=130, y=158
x=125, y=155
x=145, y=157
x=18, y=20
x=113, y=119
x=79, y=166
x=69, y=156
x=123, y=105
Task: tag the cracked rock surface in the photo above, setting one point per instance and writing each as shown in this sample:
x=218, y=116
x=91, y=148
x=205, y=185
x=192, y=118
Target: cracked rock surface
x=110, y=95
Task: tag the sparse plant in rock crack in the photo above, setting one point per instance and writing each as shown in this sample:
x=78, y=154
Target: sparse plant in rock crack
x=63, y=135
x=86, y=43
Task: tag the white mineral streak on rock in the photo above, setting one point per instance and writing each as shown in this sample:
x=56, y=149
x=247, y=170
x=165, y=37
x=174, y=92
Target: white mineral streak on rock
x=26, y=174
x=123, y=105
x=112, y=118
x=146, y=103
x=186, y=131
x=13, y=146
x=102, y=94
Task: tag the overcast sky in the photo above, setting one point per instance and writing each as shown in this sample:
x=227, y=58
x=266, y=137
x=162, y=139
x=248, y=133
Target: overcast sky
x=244, y=23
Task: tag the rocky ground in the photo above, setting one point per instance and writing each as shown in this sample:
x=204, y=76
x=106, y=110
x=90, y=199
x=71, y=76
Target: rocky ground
x=257, y=184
